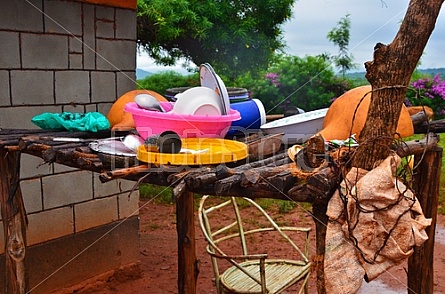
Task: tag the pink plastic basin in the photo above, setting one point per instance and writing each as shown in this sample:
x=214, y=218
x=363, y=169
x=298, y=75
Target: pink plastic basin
x=150, y=123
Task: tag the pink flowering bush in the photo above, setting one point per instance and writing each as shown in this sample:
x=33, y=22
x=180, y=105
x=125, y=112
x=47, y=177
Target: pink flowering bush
x=430, y=92
x=273, y=78
x=308, y=83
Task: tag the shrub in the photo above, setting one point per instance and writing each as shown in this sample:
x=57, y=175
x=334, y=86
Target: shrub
x=428, y=91
x=308, y=83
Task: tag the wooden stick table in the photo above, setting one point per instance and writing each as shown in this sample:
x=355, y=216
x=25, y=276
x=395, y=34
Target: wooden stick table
x=266, y=173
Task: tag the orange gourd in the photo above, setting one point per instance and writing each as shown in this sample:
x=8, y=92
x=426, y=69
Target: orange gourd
x=121, y=120
x=339, y=122
x=416, y=109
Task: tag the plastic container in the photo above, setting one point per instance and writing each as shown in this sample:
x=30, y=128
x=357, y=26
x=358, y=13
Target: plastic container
x=150, y=123
x=206, y=151
x=297, y=128
x=253, y=116
x=198, y=101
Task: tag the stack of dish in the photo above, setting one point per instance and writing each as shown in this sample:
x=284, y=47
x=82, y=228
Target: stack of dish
x=236, y=94
x=198, y=112
x=211, y=98
x=149, y=122
x=211, y=80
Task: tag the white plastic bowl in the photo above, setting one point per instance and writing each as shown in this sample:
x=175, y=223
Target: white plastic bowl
x=297, y=128
x=198, y=101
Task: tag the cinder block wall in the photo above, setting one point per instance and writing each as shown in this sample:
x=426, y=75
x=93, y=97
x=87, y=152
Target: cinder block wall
x=75, y=56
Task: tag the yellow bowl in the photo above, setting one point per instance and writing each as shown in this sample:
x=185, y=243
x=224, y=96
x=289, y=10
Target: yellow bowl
x=198, y=151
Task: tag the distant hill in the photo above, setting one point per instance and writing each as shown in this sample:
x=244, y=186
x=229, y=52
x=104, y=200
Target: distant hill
x=434, y=71
x=428, y=71
x=141, y=74
x=356, y=75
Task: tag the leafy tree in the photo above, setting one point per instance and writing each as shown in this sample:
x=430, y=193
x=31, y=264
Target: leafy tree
x=233, y=36
x=340, y=37
x=308, y=83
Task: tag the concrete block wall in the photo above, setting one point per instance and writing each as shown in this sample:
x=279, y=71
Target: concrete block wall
x=76, y=56
x=59, y=55
x=64, y=203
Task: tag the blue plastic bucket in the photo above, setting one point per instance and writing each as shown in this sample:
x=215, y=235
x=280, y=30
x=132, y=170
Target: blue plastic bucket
x=253, y=115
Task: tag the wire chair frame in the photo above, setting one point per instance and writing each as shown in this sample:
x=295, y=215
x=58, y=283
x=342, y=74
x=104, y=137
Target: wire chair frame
x=249, y=272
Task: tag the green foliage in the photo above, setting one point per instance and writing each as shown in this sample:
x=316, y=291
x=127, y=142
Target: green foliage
x=308, y=83
x=159, y=194
x=162, y=81
x=285, y=206
x=234, y=36
x=441, y=201
x=417, y=75
x=441, y=144
x=340, y=37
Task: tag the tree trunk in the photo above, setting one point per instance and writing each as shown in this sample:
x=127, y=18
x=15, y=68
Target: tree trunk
x=389, y=74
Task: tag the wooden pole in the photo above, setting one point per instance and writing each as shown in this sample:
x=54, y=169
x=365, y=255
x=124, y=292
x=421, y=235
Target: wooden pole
x=426, y=186
x=185, y=226
x=14, y=223
x=321, y=223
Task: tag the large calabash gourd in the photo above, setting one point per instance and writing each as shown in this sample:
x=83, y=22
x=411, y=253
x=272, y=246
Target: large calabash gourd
x=340, y=122
x=121, y=120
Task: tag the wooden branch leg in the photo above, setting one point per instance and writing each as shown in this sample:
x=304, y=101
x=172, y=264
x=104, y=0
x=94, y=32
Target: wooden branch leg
x=16, y=252
x=14, y=223
x=427, y=182
x=185, y=226
x=321, y=222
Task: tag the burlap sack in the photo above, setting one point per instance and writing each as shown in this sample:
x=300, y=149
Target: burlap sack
x=378, y=228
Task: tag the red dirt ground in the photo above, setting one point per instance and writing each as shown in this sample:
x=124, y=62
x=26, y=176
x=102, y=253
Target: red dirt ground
x=159, y=259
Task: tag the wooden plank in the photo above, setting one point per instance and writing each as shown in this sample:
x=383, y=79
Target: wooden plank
x=437, y=126
x=419, y=118
x=426, y=185
x=417, y=147
x=264, y=146
x=14, y=223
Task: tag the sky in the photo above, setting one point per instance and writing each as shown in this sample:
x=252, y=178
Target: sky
x=372, y=22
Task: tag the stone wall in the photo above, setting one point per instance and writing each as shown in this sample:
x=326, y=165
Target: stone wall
x=75, y=56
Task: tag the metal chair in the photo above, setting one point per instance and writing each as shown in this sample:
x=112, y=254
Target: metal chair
x=255, y=272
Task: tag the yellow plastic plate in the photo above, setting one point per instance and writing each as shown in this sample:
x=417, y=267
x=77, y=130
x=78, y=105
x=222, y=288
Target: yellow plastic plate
x=198, y=151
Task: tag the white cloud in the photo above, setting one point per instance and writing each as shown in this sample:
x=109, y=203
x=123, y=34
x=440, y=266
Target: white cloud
x=372, y=22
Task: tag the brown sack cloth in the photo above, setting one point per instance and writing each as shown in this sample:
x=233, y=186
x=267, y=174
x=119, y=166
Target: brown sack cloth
x=381, y=224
